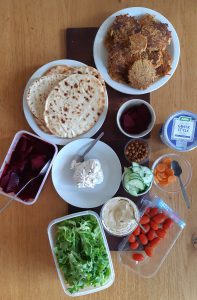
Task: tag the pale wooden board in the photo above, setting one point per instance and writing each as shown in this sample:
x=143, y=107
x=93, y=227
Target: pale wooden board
x=32, y=34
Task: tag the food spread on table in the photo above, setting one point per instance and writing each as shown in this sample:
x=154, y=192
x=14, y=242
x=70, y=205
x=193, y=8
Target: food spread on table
x=67, y=101
x=138, y=50
x=88, y=173
x=119, y=216
x=81, y=253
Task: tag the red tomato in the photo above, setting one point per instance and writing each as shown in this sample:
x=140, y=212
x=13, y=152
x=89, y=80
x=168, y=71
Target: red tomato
x=134, y=245
x=154, y=242
x=148, y=250
x=161, y=233
x=144, y=219
x=160, y=218
x=137, y=231
x=147, y=210
x=153, y=212
x=138, y=256
x=154, y=225
x=132, y=238
x=147, y=227
x=151, y=235
x=167, y=224
x=143, y=239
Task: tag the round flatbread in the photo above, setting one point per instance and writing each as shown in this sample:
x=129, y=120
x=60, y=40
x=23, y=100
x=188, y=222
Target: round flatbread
x=74, y=105
x=59, y=70
x=37, y=94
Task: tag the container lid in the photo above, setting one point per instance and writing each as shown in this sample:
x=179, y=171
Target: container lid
x=180, y=131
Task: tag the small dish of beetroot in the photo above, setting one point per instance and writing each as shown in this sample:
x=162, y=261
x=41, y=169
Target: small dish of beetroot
x=135, y=118
x=26, y=157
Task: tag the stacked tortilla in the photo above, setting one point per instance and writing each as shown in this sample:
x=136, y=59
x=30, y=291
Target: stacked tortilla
x=67, y=101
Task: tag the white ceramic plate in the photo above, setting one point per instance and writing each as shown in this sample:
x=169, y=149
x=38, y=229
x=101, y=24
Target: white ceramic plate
x=30, y=119
x=100, y=53
x=86, y=197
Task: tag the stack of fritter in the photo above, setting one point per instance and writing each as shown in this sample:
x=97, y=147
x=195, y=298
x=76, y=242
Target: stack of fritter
x=137, y=50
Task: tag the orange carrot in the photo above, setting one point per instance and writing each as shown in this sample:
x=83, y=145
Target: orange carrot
x=161, y=167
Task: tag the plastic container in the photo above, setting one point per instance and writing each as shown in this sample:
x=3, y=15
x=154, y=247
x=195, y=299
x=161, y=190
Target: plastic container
x=17, y=136
x=185, y=176
x=135, y=102
x=133, y=225
x=51, y=236
x=150, y=266
x=145, y=143
x=179, y=132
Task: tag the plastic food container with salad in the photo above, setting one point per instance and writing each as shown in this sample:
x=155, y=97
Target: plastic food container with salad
x=144, y=252
x=81, y=253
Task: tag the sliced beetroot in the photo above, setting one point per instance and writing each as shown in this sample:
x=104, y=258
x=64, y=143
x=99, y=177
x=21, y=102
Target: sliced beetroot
x=19, y=166
x=13, y=183
x=37, y=162
x=4, y=181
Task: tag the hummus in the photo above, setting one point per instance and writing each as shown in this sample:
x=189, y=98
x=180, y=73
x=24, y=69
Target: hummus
x=119, y=215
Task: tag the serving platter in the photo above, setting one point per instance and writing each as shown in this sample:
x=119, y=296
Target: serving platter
x=30, y=119
x=100, y=52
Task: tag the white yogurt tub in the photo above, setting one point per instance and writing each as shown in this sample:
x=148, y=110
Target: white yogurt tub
x=179, y=132
x=119, y=216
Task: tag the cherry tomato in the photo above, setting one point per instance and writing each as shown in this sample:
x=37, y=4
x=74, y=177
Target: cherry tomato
x=153, y=212
x=151, y=235
x=160, y=218
x=132, y=238
x=147, y=227
x=137, y=231
x=144, y=219
x=147, y=210
x=138, y=256
x=154, y=242
x=154, y=225
x=148, y=250
x=143, y=239
x=134, y=245
x=161, y=233
x=167, y=224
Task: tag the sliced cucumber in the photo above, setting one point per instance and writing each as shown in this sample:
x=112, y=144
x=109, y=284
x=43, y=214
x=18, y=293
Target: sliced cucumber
x=137, y=183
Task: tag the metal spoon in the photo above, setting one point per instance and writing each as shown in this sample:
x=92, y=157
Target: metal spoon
x=42, y=172
x=177, y=172
x=80, y=158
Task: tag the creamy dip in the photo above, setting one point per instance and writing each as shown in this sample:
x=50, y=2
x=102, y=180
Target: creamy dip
x=118, y=216
x=88, y=173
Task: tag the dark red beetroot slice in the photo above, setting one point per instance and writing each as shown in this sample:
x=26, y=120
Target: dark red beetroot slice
x=18, y=167
x=37, y=162
x=4, y=181
x=13, y=183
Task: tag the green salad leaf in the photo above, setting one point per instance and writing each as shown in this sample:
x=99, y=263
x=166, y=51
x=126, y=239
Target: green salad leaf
x=81, y=253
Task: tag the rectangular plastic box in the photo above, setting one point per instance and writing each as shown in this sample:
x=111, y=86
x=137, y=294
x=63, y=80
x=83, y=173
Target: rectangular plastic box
x=51, y=236
x=150, y=266
x=17, y=136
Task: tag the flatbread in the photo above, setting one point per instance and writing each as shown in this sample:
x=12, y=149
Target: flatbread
x=60, y=69
x=37, y=94
x=74, y=105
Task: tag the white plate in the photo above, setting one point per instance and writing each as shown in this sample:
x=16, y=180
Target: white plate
x=30, y=119
x=86, y=197
x=100, y=53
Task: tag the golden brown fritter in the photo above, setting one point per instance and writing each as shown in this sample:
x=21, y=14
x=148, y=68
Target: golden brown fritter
x=156, y=57
x=138, y=43
x=146, y=20
x=141, y=74
x=165, y=67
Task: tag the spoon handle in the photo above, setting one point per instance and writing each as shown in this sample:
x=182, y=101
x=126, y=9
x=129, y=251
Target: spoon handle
x=93, y=143
x=185, y=196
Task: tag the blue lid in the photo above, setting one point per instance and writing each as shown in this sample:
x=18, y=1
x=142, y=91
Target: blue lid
x=180, y=131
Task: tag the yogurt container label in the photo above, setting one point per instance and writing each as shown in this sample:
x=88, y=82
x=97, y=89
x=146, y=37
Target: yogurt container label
x=179, y=132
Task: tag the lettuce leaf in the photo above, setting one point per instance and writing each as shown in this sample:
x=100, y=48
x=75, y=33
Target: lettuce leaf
x=81, y=253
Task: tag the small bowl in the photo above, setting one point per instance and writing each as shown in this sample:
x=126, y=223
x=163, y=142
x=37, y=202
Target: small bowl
x=185, y=176
x=133, y=225
x=126, y=106
x=138, y=195
x=141, y=141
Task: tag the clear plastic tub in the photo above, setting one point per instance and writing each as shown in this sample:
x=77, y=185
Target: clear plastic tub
x=6, y=161
x=150, y=266
x=51, y=236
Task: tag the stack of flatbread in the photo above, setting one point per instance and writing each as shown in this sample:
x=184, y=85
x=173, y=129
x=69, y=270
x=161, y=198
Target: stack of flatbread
x=67, y=101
